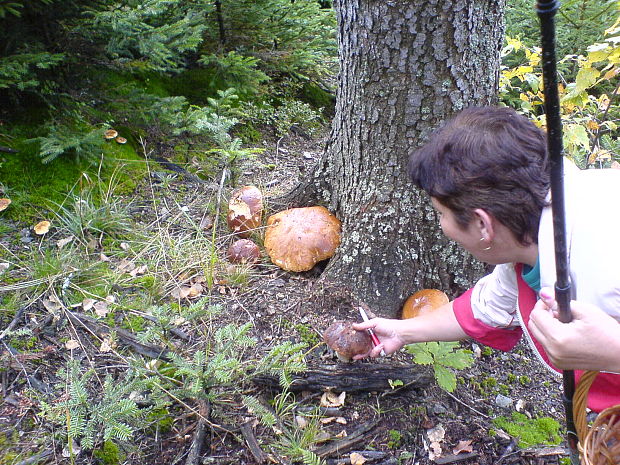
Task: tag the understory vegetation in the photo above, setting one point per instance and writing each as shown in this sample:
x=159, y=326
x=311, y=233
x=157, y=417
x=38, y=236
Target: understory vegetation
x=104, y=107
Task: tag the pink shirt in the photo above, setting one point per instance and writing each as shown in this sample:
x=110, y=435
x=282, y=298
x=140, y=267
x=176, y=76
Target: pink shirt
x=604, y=392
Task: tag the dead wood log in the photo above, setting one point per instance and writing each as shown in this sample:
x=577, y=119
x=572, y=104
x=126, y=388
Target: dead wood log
x=354, y=377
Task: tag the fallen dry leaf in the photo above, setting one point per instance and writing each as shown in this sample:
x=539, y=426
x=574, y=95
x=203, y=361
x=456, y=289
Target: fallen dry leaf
x=195, y=290
x=4, y=266
x=87, y=304
x=462, y=446
x=357, y=458
x=42, y=227
x=206, y=223
x=72, y=344
x=342, y=434
x=106, y=345
x=138, y=271
x=52, y=304
x=126, y=266
x=301, y=421
x=101, y=308
x=110, y=299
x=104, y=257
x=330, y=399
x=180, y=292
x=62, y=242
x=124, y=245
x=4, y=204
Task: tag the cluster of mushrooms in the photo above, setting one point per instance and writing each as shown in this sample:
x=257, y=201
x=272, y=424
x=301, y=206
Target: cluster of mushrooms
x=295, y=239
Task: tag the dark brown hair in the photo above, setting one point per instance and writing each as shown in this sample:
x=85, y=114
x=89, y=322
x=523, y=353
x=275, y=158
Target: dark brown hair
x=490, y=158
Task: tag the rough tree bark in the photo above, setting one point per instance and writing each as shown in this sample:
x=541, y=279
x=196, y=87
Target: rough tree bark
x=404, y=67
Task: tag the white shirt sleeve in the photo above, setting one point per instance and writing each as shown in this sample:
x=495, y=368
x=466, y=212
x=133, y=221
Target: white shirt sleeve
x=494, y=298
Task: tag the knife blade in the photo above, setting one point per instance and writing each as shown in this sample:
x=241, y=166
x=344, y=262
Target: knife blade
x=373, y=336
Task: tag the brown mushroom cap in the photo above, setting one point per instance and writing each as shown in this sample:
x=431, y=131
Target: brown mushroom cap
x=423, y=301
x=346, y=341
x=4, y=204
x=42, y=227
x=110, y=134
x=243, y=251
x=121, y=140
x=245, y=209
x=298, y=238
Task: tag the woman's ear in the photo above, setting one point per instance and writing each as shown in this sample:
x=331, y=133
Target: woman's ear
x=484, y=222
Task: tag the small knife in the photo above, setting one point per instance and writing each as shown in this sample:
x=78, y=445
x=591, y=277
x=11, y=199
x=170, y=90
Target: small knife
x=373, y=336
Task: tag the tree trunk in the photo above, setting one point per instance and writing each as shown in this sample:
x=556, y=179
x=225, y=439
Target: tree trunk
x=405, y=66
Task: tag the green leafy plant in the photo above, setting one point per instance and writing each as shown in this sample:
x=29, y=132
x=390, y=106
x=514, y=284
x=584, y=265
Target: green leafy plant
x=90, y=418
x=70, y=139
x=589, y=108
x=292, y=441
x=442, y=356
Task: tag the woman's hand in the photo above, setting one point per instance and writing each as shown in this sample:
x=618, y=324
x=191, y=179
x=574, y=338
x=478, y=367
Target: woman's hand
x=387, y=332
x=591, y=341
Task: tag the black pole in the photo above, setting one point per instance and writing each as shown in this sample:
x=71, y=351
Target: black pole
x=546, y=10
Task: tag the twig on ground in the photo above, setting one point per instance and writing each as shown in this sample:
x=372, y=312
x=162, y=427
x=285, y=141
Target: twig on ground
x=39, y=458
x=248, y=434
x=195, y=450
x=469, y=406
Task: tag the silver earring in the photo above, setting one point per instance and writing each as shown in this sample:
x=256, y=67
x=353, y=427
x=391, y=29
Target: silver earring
x=488, y=248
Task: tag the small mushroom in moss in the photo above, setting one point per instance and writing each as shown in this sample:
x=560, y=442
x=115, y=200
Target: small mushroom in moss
x=110, y=134
x=243, y=251
x=4, y=204
x=424, y=301
x=42, y=227
x=298, y=238
x=346, y=341
x=245, y=209
x=121, y=140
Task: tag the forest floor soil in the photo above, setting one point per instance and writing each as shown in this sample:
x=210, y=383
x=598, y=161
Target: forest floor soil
x=395, y=425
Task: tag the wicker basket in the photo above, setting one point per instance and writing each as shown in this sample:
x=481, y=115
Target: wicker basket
x=599, y=444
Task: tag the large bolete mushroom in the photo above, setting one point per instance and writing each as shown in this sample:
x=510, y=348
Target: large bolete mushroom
x=346, y=341
x=298, y=238
x=245, y=209
x=424, y=301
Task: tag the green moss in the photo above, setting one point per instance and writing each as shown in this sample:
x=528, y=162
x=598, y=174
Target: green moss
x=524, y=380
x=307, y=335
x=134, y=323
x=395, y=439
x=530, y=432
x=33, y=185
x=318, y=98
x=197, y=85
x=24, y=343
x=110, y=454
x=161, y=419
x=489, y=383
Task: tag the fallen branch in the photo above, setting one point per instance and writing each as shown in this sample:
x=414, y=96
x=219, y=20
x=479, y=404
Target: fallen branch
x=455, y=458
x=195, y=450
x=248, y=433
x=345, y=444
x=353, y=377
x=124, y=336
